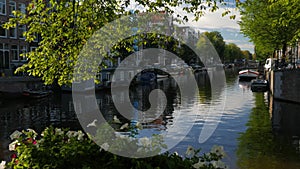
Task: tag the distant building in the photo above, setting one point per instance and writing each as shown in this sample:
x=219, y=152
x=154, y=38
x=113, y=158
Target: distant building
x=12, y=42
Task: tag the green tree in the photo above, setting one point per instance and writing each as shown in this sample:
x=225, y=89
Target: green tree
x=270, y=24
x=66, y=25
x=247, y=54
x=217, y=41
x=232, y=52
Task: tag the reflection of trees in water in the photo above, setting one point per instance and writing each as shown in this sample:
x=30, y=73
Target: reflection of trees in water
x=259, y=148
x=19, y=114
x=230, y=77
x=204, y=87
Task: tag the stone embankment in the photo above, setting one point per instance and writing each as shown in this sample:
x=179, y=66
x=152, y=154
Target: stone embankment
x=285, y=84
x=17, y=84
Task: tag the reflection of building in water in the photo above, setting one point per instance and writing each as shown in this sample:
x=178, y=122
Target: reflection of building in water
x=37, y=114
x=285, y=121
x=261, y=146
x=285, y=117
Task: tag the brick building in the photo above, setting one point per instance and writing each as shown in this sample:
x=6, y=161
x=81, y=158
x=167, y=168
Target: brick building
x=12, y=42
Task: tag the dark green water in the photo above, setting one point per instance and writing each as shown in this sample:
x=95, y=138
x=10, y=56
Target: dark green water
x=256, y=132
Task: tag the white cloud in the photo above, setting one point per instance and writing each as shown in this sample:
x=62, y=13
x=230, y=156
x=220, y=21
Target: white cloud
x=246, y=46
x=229, y=28
x=213, y=21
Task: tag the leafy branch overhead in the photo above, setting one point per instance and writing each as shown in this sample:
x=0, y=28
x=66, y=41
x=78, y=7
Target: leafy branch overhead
x=65, y=26
x=271, y=25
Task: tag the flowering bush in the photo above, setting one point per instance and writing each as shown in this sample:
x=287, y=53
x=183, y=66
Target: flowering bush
x=61, y=148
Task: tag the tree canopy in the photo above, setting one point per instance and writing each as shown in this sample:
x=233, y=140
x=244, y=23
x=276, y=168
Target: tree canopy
x=217, y=41
x=270, y=24
x=232, y=52
x=227, y=52
x=65, y=26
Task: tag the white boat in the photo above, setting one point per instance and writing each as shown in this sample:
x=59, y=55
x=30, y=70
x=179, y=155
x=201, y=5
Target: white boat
x=158, y=76
x=248, y=74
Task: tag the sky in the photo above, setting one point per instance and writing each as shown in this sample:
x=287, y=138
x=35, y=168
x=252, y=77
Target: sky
x=229, y=28
x=213, y=21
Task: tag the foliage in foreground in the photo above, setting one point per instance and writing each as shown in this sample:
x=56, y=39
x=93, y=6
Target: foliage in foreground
x=65, y=26
x=61, y=148
x=270, y=25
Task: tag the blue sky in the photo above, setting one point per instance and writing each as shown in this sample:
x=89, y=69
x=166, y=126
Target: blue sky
x=230, y=30
x=213, y=21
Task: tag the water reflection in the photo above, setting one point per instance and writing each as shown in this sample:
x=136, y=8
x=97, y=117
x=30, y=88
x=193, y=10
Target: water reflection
x=270, y=139
x=58, y=110
x=36, y=114
x=262, y=146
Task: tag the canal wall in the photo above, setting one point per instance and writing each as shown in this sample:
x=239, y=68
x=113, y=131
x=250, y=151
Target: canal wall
x=285, y=84
x=17, y=84
x=285, y=117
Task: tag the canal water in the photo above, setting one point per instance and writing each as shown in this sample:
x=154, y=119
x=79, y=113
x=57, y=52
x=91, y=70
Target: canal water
x=256, y=131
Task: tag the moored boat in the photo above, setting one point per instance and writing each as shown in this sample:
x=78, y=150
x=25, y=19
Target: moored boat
x=248, y=74
x=36, y=93
x=158, y=76
x=259, y=85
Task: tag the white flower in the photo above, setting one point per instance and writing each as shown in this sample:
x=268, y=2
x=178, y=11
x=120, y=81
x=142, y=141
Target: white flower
x=190, y=151
x=12, y=146
x=32, y=131
x=2, y=164
x=199, y=164
x=218, y=150
x=139, y=125
x=140, y=149
x=145, y=142
x=58, y=131
x=121, y=136
x=16, y=134
x=92, y=124
x=176, y=153
x=124, y=126
x=116, y=120
x=104, y=146
x=72, y=134
x=80, y=135
x=218, y=164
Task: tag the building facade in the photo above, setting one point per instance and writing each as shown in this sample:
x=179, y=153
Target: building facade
x=12, y=42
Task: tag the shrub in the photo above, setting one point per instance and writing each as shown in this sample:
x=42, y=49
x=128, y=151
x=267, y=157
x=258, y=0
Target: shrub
x=62, y=148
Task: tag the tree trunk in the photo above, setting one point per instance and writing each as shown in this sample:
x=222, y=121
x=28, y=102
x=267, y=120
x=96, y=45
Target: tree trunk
x=274, y=54
x=284, y=50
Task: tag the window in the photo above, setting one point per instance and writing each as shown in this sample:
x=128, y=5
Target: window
x=22, y=8
x=32, y=48
x=22, y=29
x=13, y=33
x=12, y=7
x=108, y=76
x=23, y=51
x=36, y=37
x=3, y=32
x=2, y=7
x=99, y=76
x=122, y=76
x=14, y=52
x=4, y=56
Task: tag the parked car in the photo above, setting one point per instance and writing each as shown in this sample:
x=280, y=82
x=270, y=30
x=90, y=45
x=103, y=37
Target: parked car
x=297, y=64
x=270, y=64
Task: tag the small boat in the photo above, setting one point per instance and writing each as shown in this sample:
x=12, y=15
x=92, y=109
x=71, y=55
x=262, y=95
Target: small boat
x=248, y=74
x=36, y=93
x=259, y=85
x=158, y=76
x=147, y=76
